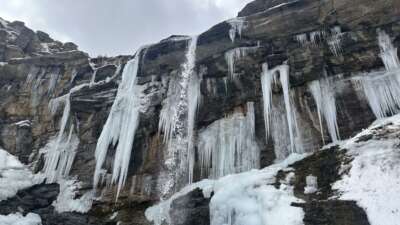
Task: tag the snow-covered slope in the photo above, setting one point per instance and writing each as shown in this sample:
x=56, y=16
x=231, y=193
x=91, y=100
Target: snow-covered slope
x=373, y=177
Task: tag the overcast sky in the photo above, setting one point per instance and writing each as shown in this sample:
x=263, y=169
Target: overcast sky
x=111, y=27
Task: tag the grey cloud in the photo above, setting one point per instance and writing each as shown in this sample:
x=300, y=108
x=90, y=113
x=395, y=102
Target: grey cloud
x=111, y=27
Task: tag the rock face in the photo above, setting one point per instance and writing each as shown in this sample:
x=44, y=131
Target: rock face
x=335, y=40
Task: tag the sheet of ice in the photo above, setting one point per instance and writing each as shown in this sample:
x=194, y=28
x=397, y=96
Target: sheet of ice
x=19, y=219
x=14, y=176
x=67, y=200
x=120, y=127
x=374, y=178
x=247, y=198
x=229, y=145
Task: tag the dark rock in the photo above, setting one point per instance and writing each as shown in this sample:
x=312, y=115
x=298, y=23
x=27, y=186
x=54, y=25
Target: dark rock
x=333, y=212
x=44, y=37
x=24, y=143
x=191, y=209
x=69, y=46
x=34, y=198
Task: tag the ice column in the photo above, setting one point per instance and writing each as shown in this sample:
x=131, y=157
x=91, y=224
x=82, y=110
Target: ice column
x=324, y=97
x=269, y=77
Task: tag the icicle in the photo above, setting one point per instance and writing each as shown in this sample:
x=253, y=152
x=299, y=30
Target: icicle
x=236, y=54
x=324, y=97
x=120, y=127
x=382, y=89
x=228, y=145
x=335, y=41
x=382, y=93
x=237, y=25
x=316, y=36
x=302, y=39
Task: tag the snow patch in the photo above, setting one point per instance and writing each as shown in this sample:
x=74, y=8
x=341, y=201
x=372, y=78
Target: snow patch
x=67, y=200
x=19, y=219
x=14, y=176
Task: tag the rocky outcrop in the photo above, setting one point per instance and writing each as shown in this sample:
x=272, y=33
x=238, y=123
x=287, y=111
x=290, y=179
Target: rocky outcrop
x=317, y=39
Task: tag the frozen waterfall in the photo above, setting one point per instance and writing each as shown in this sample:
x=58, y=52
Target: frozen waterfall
x=178, y=117
x=60, y=151
x=120, y=127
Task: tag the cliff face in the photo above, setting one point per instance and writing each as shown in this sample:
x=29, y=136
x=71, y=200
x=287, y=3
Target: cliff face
x=57, y=91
